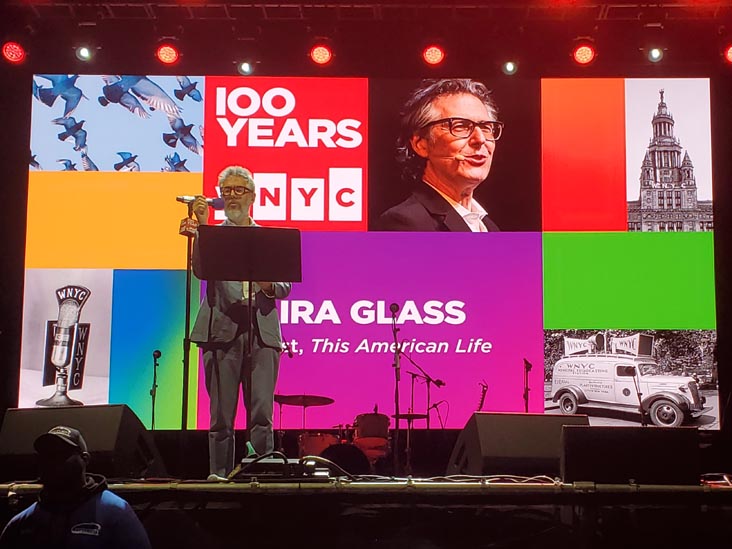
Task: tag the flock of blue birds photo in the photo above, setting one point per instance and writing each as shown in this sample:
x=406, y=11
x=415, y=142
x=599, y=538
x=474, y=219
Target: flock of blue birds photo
x=117, y=123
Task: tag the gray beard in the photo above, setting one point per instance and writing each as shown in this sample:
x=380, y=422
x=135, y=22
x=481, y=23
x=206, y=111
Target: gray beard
x=238, y=217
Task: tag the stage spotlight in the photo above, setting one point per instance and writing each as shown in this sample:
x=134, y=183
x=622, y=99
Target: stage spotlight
x=655, y=55
x=727, y=54
x=433, y=54
x=13, y=52
x=245, y=68
x=84, y=53
x=167, y=52
x=509, y=68
x=321, y=53
x=584, y=52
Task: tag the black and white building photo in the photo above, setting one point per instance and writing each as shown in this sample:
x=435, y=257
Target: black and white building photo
x=668, y=199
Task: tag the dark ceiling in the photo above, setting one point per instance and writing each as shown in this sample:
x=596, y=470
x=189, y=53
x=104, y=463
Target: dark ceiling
x=370, y=37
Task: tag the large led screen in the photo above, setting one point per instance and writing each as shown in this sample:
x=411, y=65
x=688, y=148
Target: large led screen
x=597, y=292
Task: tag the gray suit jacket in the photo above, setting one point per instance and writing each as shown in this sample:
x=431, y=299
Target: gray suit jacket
x=223, y=313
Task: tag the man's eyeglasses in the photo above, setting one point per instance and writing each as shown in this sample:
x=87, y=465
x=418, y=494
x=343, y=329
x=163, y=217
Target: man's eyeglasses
x=462, y=127
x=236, y=191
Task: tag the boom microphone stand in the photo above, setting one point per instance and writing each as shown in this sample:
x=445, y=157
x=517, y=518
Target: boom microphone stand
x=430, y=380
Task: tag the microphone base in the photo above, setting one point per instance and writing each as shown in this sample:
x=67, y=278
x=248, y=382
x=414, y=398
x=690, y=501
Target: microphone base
x=59, y=399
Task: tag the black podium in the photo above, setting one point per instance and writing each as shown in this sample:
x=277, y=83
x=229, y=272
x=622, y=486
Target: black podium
x=235, y=253
x=249, y=254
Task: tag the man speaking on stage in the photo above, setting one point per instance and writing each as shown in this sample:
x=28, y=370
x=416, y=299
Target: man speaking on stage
x=446, y=143
x=221, y=331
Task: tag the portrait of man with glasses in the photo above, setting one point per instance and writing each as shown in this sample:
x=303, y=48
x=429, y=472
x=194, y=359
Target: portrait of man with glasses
x=221, y=331
x=448, y=134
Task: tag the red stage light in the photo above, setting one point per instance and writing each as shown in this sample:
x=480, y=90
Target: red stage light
x=13, y=52
x=584, y=54
x=433, y=55
x=728, y=54
x=321, y=54
x=167, y=54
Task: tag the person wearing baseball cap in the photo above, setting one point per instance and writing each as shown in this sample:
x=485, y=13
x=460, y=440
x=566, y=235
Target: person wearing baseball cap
x=74, y=508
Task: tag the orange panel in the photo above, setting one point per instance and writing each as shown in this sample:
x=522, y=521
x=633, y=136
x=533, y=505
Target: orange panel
x=103, y=220
x=583, y=154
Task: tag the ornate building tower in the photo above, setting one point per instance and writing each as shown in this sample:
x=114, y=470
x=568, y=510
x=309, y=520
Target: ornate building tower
x=668, y=193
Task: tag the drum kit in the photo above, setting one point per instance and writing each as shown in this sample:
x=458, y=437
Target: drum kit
x=368, y=435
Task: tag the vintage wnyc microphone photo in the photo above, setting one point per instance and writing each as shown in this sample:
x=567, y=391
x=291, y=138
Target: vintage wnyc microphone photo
x=66, y=347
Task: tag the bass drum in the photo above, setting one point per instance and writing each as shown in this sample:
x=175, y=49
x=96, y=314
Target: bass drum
x=349, y=458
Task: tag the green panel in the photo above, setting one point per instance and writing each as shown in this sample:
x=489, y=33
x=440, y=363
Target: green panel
x=629, y=280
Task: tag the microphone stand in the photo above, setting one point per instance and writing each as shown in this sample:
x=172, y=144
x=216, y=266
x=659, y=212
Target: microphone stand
x=397, y=375
x=527, y=369
x=188, y=227
x=408, y=449
x=154, y=389
x=248, y=364
x=187, y=327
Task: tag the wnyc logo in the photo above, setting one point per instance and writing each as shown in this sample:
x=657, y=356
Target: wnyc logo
x=304, y=139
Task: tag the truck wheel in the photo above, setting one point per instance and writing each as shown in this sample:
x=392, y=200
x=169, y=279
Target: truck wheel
x=665, y=413
x=568, y=404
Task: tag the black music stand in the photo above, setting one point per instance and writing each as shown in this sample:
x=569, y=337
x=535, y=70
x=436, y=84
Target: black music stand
x=249, y=254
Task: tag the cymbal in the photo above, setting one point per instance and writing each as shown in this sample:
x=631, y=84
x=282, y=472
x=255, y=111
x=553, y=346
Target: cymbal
x=303, y=400
x=409, y=417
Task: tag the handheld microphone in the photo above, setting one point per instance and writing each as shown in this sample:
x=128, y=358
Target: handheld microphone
x=215, y=203
x=439, y=383
x=394, y=307
x=157, y=354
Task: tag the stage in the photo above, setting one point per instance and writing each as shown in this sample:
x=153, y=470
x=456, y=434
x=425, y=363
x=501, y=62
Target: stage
x=487, y=512
x=339, y=509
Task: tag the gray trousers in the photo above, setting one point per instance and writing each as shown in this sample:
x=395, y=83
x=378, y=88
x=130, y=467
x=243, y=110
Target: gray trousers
x=225, y=372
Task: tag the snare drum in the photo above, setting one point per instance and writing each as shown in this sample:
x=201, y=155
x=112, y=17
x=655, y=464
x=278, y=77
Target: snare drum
x=372, y=435
x=313, y=444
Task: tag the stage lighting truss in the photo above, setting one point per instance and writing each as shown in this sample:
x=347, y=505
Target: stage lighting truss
x=584, y=51
x=13, y=52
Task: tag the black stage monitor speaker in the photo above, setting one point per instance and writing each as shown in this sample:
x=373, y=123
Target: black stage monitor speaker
x=510, y=444
x=643, y=455
x=119, y=445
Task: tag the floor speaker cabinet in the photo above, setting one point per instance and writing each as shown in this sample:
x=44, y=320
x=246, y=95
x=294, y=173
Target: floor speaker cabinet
x=642, y=455
x=118, y=442
x=510, y=444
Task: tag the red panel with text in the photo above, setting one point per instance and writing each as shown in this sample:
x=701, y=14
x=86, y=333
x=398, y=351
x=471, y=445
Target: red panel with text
x=304, y=139
x=583, y=155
